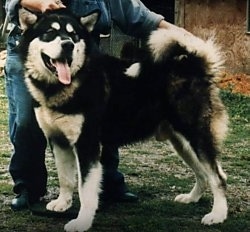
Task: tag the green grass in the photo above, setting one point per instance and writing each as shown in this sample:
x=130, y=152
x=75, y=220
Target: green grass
x=157, y=175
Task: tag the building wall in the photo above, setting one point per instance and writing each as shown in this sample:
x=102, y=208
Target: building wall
x=224, y=19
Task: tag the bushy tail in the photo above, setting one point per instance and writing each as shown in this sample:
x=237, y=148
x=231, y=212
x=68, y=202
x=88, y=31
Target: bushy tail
x=185, y=48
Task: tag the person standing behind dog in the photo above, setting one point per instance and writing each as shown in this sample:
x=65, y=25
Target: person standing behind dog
x=27, y=165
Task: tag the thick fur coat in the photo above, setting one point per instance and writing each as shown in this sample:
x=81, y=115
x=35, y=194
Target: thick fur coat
x=84, y=99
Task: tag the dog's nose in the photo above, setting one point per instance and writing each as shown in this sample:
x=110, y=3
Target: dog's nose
x=67, y=46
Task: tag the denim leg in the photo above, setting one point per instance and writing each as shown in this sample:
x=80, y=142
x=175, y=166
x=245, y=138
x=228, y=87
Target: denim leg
x=27, y=165
x=113, y=180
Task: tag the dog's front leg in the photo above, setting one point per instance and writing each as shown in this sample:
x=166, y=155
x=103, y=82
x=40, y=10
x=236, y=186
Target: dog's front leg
x=89, y=198
x=66, y=167
x=87, y=153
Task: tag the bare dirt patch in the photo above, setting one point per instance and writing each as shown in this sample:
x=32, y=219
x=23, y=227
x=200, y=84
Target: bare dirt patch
x=236, y=83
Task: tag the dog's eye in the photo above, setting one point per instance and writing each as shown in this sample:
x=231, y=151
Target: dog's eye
x=50, y=30
x=48, y=35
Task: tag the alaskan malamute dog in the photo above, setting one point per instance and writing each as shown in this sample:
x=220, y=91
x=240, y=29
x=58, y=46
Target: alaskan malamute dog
x=84, y=100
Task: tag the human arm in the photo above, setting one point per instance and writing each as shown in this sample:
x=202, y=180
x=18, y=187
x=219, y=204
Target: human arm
x=169, y=26
x=135, y=19
x=33, y=5
x=41, y=5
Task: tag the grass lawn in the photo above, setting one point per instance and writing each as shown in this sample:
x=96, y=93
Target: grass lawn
x=157, y=175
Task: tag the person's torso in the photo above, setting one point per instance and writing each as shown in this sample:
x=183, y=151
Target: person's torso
x=85, y=7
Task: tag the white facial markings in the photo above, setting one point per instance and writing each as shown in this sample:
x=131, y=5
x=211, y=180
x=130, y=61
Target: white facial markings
x=51, y=46
x=56, y=26
x=69, y=28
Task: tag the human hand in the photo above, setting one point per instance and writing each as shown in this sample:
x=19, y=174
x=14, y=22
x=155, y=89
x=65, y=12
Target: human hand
x=169, y=26
x=42, y=5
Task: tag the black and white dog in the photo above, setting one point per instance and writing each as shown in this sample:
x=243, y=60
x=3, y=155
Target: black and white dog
x=84, y=100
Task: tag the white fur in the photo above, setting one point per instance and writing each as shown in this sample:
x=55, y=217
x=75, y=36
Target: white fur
x=66, y=168
x=161, y=39
x=69, y=126
x=220, y=209
x=67, y=163
x=204, y=175
x=69, y=28
x=219, y=124
x=57, y=99
x=89, y=197
x=222, y=173
x=56, y=26
x=35, y=66
x=53, y=122
x=89, y=21
x=184, y=149
x=133, y=70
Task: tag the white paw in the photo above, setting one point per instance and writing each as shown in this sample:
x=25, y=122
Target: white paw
x=185, y=198
x=59, y=205
x=77, y=225
x=214, y=218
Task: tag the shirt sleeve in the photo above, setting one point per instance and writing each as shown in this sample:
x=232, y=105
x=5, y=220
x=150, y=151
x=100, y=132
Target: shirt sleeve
x=133, y=17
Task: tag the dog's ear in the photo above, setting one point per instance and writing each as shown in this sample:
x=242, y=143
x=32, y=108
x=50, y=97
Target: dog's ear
x=26, y=18
x=90, y=20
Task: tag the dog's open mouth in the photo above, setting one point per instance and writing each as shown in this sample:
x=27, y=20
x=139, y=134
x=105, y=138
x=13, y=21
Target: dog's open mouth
x=60, y=67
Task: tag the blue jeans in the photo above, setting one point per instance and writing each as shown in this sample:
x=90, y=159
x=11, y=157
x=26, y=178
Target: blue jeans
x=113, y=180
x=27, y=166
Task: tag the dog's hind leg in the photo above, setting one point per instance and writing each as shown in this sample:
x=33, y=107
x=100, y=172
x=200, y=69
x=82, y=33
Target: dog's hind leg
x=217, y=178
x=206, y=171
x=217, y=181
x=185, y=150
x=66, y=167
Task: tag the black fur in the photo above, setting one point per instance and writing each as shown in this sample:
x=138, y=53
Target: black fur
x=175, y=94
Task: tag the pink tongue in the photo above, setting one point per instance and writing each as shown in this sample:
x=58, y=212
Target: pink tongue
x=63, y=72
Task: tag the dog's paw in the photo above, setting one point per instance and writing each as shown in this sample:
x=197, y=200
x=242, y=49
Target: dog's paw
x=59, y=205
x=185, y=198
x=77, y=225
x=214, y=218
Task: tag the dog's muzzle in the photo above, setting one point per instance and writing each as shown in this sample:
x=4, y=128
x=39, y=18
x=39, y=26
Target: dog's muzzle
x=67, y=46
x=60, y=66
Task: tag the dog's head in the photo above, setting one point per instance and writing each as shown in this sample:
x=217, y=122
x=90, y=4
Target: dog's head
x=54, y=46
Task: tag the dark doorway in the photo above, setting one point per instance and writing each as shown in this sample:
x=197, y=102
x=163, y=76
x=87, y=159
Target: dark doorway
x=163, y=7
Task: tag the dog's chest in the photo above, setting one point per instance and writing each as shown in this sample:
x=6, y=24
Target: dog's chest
x=56, y=124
